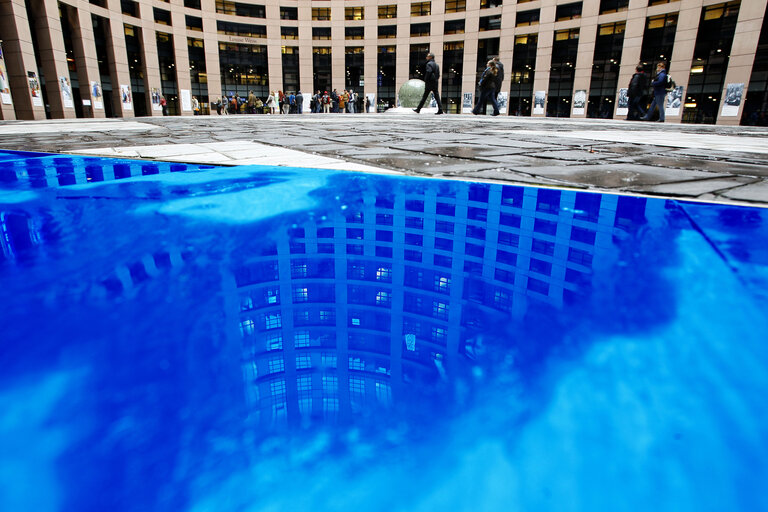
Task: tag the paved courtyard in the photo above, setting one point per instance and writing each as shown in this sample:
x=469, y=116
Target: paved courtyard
x=710, y=163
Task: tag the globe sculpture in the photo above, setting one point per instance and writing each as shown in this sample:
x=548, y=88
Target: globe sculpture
x=410, y=93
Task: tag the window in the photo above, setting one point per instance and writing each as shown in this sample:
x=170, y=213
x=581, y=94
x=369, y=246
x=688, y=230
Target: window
x=387, y=12
x=289, y=32
x=298, y=269
x=526, y=18
x=321, y=13
x=238, y=9
x=301, y=339
x=321, y=33
x=330, y=384
x=354, y=32
x=247, y=327
x=300, y=294
x=442, y=284
x=304, y=385
x=568, y=11
x=241, y=29
x=608, y=6
x=274, y=341
x=354, y=13
x=439, y=310
x=387, y=31
x=194, y=23
x=384, y=274
x=192, y=4
x=454, y=27
x=303, y=361
x=272, y=321
x=289, y=13
x=421, y=9
x=162, y=17
x=419, y=29
x=455, y=5
x=130, y=8
x=489, y=4
x=276, y=365
x=383, y=298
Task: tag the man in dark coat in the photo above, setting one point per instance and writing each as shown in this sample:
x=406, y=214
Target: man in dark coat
x=636, y=92
x=431, y=77
x=659, y=85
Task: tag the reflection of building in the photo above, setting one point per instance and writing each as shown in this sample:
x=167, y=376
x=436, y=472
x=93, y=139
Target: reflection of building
x=226, y=47
x=352, y=312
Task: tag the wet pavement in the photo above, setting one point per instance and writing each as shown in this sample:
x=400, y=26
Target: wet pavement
x=710, y=163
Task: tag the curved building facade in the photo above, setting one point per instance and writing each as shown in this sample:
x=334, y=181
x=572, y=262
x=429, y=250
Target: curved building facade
x=117, y=58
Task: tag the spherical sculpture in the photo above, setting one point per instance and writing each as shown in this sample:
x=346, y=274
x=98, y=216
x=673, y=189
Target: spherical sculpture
x=410, y=93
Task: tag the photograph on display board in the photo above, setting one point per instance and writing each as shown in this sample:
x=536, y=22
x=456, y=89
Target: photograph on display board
x=733, y=96
x=674, y=100
x=155, y=94
x=622, y=103
x=34, y=88
x=126, y=97
x=66, y=92
x=466, y=104
x=5, y=87
x=579, y=101
x=96, y=95
x=501, y=99
x=538, y=102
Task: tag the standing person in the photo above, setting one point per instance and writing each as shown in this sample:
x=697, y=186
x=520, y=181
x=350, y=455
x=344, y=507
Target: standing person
x=300, y=102
x=499, y=76
x=431, y=78
x=164, y=105
x=271, y=102
x=195, y=106
x=343, y=99
x=352, y=102
x=659, y=86
x=292, y=103
x=635, y=92
x=487, y=85
x=318, y=97
x=326, y=99
x=251, y=102
x=224, y=105
x=335, y=101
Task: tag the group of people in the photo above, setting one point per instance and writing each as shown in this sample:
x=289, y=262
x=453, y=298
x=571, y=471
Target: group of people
x=278, y=102
x=637, y=90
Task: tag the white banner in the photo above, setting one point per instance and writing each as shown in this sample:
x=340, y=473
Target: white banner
x=186, y=100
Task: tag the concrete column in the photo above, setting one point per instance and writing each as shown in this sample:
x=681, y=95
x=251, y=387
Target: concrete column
x=633, y=44
x=742, y=55
x=337, y=44
x=181, y=58
x=19, y=54
x=679, y=65
x=86, y=60
x=53, y=57
x=544, y=53
x=585, y=53
x=211, y=42
x=118, y=58
x=151, y=62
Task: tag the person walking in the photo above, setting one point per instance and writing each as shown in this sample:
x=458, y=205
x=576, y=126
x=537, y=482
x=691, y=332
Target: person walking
x=487, y=85
x=659, y=86
x=635, y=93
x=499, y=76
x=271, y=102
x=431, y=78
x=300, y=102
x=251, y=103
x=195, y=106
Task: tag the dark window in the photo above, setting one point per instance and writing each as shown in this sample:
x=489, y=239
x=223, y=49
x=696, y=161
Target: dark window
x=354, y=32
x=130, y=8
x=607, y=6
x=568, y=11
x=387, y=31
x=321, y=33
x=490, y=23
x=289, y=32
x=418, y=30
x=289, y=13
x=489, y=4
x=194, y=23
x=525, y=18
x=238, y=9
x=162, y=16
x=192, y=4
x=454, y=27
x=241, y=29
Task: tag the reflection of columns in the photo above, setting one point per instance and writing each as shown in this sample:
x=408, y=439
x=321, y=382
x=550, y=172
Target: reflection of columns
x=86, y=61
x=151, y=67
x=118, y=63
x=742, y=56
x=19, y=58
x=53, y=57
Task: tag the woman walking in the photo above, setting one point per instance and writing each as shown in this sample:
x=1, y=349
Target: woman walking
x=487, y=85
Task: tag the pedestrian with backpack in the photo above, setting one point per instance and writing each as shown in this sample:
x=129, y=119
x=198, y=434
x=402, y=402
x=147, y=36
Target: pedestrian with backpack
x=659, y=86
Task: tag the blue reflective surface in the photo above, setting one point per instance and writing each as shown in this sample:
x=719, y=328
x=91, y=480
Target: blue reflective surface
x=259, y=338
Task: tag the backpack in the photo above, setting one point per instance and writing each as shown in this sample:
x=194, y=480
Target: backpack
x=670, y=83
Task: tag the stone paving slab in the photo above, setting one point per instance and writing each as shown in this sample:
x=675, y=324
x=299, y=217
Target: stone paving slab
x=717, y=163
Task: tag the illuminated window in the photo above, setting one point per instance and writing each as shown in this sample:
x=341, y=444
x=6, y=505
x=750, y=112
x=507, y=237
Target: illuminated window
x=421, y=9
x=438, y=334
x=442, y=284
x=568, y=11
x=355, y=363
x=238, y=9
x=455, y=5
x=321, y=13
x=526, y=18
x=289, y=13
x=488, y=4
x=383, y=298
x=384, y=274
x=354, y=13
x=304, y=384
x=298, y=269
x=300, y=294
x=387, y=12
x=247, y=327
x=272, y=295
x=439, y=309
x=289, y=32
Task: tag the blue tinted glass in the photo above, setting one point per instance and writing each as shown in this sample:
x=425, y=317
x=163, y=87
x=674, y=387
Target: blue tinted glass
x=181, y=340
